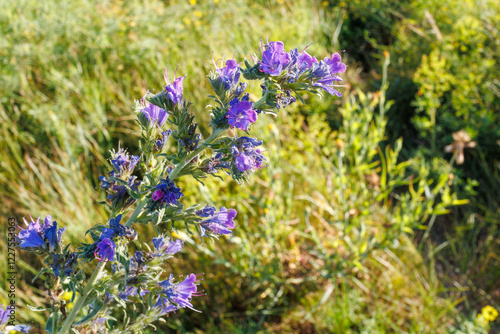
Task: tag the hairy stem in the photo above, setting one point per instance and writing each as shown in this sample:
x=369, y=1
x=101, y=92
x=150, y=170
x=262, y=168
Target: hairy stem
x=136, y=212
x=193, y=154
x=65, y=329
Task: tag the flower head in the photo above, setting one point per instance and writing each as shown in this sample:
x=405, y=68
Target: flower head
x=118, y=230
x=5, y=314
x=162, y=140
x=155, y=114
x=221, y=222
x=105, y=250
x=230, y=74
x=241, y=114
x=178, y=295
x=246, y=156
x=122, y=162
x=54, y=235
x=174, y=89
x=489, y=313
x=36, y=235
x=166, y=192
x=274, y=59
x=165, y=246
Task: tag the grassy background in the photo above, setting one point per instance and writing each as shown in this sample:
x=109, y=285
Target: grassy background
x=359, y=245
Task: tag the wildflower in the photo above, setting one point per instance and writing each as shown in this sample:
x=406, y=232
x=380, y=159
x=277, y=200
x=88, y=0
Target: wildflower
x=165, y=246
x=240, y=89
x=334, y=64
x=489, y=313
x=274, y=59
x=155, y=114
x=323, y=78
x=462, y=140
x=120, y=229
x=213, y=165
x=241, y=114
x=36, y=235
x=219, y=223
x=177, y=295
x=117, y=191
x=160, y=142
x=207, y=211
x=105, y=250
x=5, y=314
x=166, y=192
x=54, y=235
x=123, y=163
x=230, y=74
x=174, y=89
x=245, y=156
x=300, y=62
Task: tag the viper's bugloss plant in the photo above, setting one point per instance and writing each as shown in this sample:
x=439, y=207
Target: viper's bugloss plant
x=144, y=189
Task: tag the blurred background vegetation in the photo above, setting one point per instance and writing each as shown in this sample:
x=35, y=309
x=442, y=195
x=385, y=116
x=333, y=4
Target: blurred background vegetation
x=361, y=223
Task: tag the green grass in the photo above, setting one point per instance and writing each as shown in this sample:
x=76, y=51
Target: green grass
x=322, y=243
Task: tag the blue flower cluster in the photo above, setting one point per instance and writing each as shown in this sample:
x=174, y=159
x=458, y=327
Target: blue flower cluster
x=150, y=181
x=43, y=237
x=121, y=181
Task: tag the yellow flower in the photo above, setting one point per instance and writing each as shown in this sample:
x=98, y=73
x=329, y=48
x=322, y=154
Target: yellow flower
x=192, y=2
x=67, y=295
x=69, y=306
x=198, y=13
x=325, y=3
x=186, y=21
x=489, y=313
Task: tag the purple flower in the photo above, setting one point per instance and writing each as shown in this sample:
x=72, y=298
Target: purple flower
x=243, y=162
x=129, y=291
x=123, y=162
x=36, y=235
x=230, y=74
x=207, y=211
x=163, y=248
x=305, y=61
x=177, y=295
x=174, y=89
x=324, y=73
x=241, y=114
x=245, y=155
x=5, y=314
x=240, y=89
x=54, y=235
x=105, y=250
x=220, y=223
x=334, y=63
x=119, y=229
x=30, y=237
x=155, y=114
x=274, y=59
x=166, y=192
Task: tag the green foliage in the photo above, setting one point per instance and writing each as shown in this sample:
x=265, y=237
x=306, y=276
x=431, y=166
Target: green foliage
x=323, y=242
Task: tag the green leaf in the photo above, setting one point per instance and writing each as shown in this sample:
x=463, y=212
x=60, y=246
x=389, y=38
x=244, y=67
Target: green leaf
x=36, y=309
x=98, y=304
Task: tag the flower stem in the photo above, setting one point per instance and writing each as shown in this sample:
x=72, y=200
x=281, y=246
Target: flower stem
x=65, y=329
x=258, y=104
x=136, y=212
x=193, y=154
